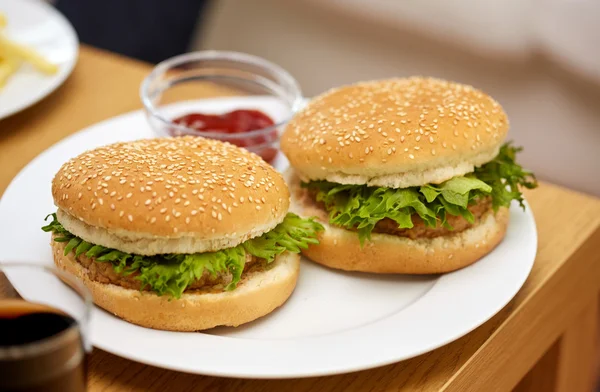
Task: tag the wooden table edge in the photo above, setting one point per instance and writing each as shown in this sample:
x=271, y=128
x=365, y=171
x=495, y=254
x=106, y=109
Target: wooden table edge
x=485, y=364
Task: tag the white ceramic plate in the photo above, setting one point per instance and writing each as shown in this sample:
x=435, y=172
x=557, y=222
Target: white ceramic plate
x=335, y=322
x=36, y=24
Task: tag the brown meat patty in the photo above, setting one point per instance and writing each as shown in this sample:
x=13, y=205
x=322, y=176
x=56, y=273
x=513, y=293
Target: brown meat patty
x=388, y=226
x=103, y=272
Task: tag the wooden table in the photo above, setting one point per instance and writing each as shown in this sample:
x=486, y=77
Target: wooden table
x=543, y=340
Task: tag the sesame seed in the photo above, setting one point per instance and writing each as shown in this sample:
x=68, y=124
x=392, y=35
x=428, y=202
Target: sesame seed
x=130, y=218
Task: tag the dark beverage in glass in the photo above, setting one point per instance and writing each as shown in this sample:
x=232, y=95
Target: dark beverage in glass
x=42, y=345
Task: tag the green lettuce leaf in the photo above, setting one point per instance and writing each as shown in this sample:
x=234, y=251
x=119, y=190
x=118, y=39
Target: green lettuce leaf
x=505, y=177
x=171, y=274
x=360, y=207
x=292, y=235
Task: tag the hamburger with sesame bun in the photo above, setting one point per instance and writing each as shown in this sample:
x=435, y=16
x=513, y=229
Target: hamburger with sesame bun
x=407, y=175
x=179, y=234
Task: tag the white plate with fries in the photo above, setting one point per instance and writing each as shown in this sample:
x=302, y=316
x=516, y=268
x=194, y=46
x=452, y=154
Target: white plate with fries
x=38, y=50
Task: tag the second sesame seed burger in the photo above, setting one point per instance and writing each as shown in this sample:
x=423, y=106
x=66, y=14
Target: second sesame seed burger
x=179, y=234
x=407, y=175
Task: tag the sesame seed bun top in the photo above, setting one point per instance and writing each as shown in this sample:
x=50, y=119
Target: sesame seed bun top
x=395, y=133
x=168, y=189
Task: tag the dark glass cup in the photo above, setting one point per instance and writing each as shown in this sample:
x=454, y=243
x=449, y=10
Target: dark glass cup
x=43, y=329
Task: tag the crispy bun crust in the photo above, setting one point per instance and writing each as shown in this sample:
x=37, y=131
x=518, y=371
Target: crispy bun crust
x=257, y=295
x=395, y=133
x=339, y=248
x=187, y=188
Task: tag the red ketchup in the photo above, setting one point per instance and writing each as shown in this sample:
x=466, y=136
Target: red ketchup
x=237, y=121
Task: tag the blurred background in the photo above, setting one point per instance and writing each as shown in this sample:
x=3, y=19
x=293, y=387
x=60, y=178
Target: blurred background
x=539, y=58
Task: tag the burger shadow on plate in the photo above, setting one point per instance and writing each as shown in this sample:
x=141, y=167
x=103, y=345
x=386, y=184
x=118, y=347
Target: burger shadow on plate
x=327, y=301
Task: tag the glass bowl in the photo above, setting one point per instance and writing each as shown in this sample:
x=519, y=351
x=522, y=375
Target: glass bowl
x=216, y=82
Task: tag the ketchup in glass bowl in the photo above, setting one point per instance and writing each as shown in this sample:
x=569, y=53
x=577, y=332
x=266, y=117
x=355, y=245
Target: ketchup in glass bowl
x=229, y=96
x=239, y=121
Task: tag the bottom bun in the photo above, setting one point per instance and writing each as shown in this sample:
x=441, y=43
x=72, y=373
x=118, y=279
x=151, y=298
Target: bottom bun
x=258, y=294
x=385, y=253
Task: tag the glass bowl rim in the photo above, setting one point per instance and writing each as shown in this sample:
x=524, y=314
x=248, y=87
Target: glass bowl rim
x=167, y=64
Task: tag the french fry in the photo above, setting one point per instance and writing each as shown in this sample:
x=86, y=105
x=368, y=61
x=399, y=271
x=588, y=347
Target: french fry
x=13, y=54
x=12, y=49
x=8, y=66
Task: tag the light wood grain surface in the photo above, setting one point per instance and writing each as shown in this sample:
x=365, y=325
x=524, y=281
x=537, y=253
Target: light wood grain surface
x=544, y=338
